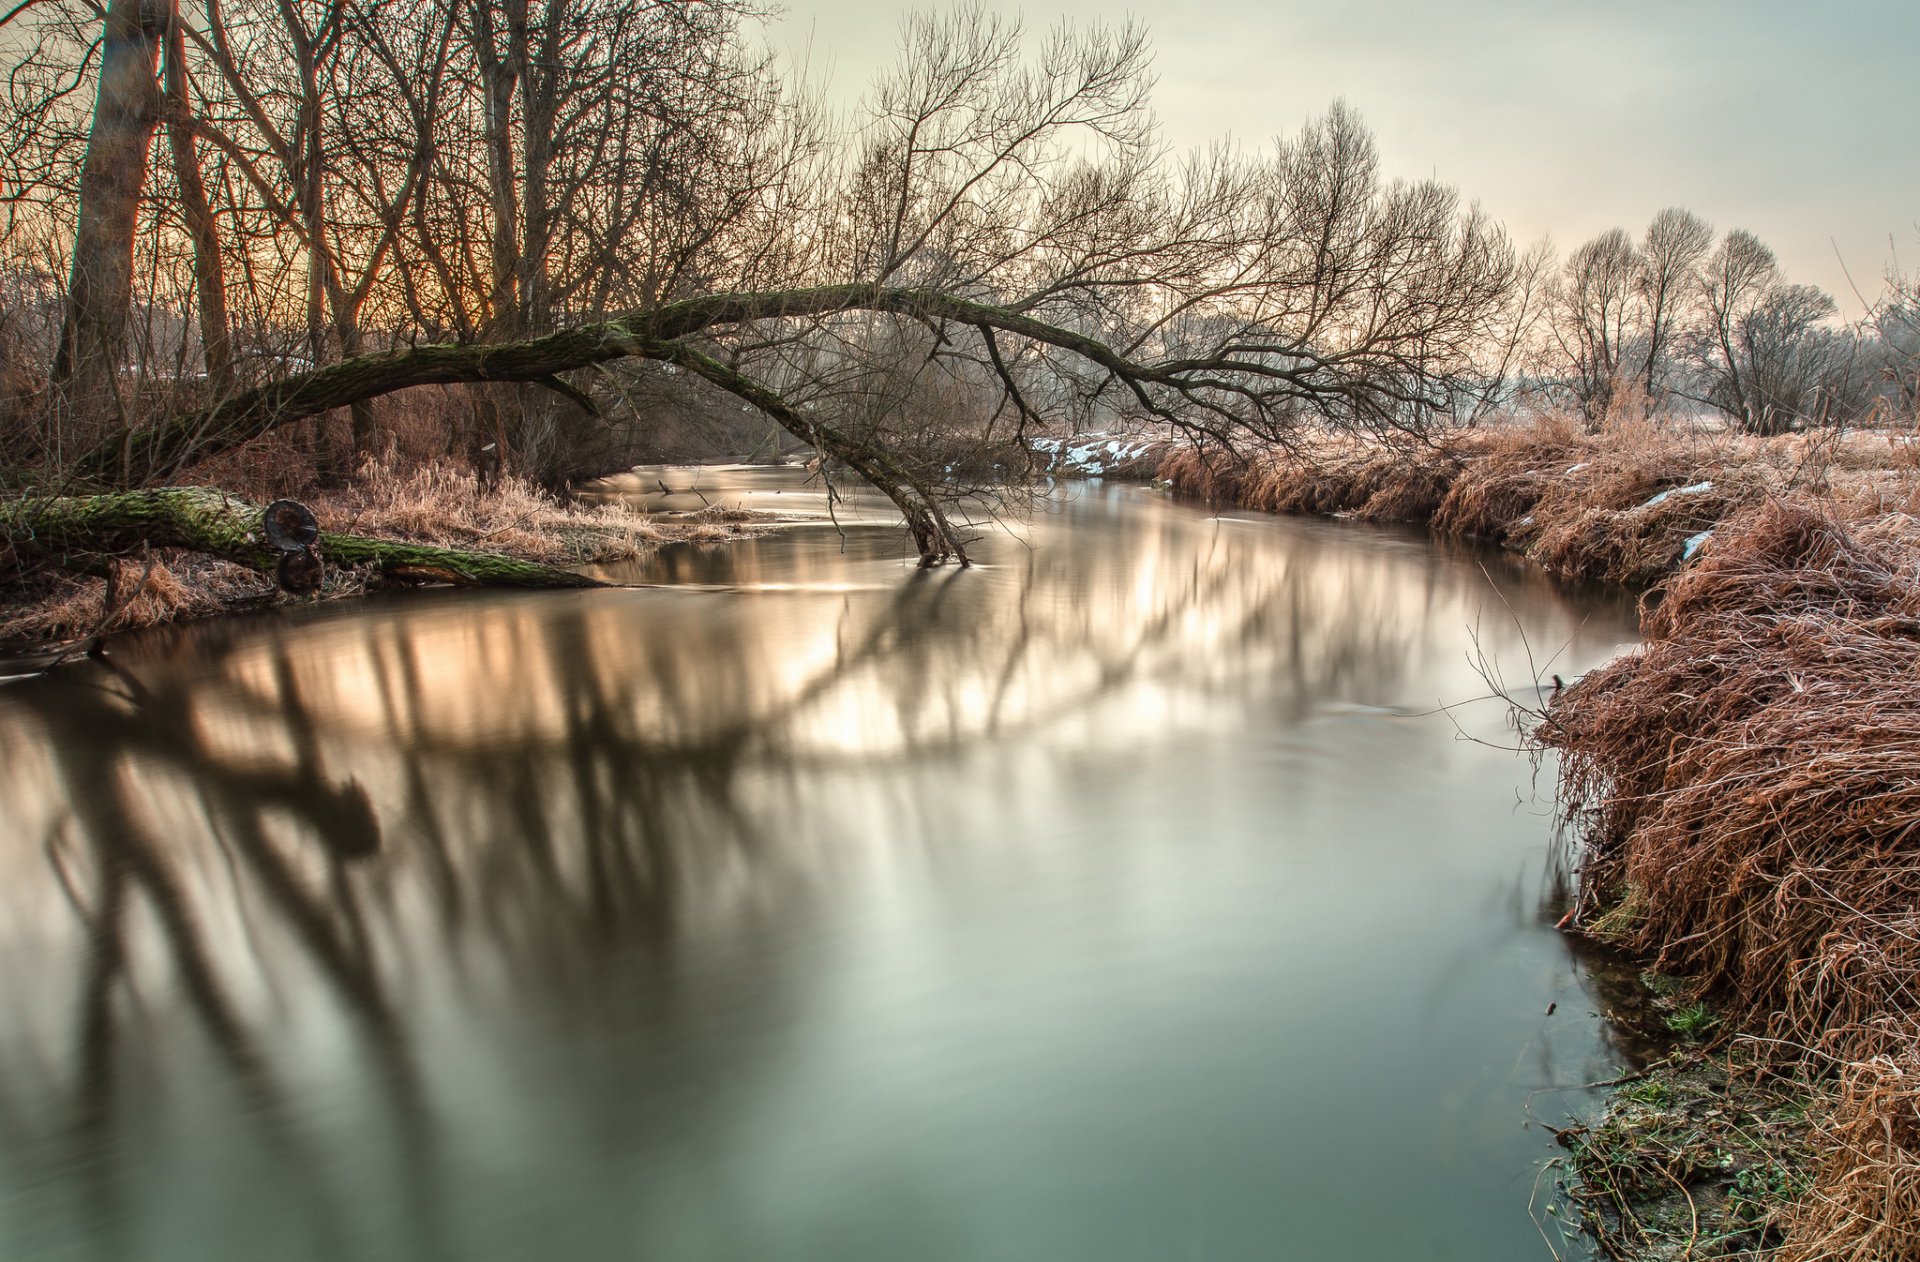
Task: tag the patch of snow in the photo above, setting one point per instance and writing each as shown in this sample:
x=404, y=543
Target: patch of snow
x=1094, y=454
x=1695, y=489
x=1695, y=544
x=1583, y=464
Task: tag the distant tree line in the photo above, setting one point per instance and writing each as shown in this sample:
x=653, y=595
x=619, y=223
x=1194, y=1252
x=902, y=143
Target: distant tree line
x=1679, y=318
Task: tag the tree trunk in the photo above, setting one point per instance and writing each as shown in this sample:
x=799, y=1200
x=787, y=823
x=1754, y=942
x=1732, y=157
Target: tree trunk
x=159, y=451
x=209, y=271
x=93, y=333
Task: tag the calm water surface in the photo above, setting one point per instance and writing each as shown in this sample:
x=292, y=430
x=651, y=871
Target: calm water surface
x=1122, y=898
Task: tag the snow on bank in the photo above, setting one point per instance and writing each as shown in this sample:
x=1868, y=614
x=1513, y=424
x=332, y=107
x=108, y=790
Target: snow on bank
x=1090, y=455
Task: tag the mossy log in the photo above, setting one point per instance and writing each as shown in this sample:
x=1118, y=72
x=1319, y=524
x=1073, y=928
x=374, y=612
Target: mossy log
x=73, y=531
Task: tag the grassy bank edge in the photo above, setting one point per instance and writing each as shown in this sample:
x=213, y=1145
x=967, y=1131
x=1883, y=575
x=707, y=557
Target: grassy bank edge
x=1750, y=1139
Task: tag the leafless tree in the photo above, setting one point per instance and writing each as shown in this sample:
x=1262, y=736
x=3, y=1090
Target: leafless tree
x=1896, y=320
x=1734, y=282
x=1665, y=279
x=93, y=335
x=1763, y=354
x=1596, y=313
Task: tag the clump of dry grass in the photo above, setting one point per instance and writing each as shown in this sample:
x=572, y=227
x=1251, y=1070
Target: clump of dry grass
x=449, y=506
x=1365, y=478
x=1208, y=473
x=1865, y=1202
x=1753, y=775
x=52, y=606
x=1504, y=473
x=1631, y=525
x=1620, y=505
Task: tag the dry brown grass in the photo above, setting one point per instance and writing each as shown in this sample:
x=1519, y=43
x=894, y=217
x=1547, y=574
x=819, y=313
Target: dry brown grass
x=53, y=606
x=1504, y=473
x=449, y=506
x=1751, y=781
x=1581, y=504
x=1865, y=1202
x=1362, y=478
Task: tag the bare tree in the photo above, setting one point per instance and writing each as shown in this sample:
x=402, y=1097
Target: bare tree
x=1764, y=353
x=617, y=145
x=197, y=214
x=575, y=192
x=1896, y=319
x=1666, y=283
x=1734, y=282
x=1596, y=313
x=1795, y=370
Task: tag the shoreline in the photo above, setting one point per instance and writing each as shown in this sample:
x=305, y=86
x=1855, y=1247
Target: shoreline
x=49, y=615
x=1739, y=789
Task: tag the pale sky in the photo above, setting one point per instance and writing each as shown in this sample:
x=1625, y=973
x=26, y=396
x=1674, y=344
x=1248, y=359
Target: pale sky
x=1797, y=121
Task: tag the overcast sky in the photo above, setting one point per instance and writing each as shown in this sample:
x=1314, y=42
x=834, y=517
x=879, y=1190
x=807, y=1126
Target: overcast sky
x=1797, y=121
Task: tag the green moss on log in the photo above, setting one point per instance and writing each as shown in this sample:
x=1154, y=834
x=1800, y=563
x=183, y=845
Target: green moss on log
x=74, y=531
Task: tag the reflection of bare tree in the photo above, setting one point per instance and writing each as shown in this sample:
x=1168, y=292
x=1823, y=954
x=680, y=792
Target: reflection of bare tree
x=126, y=860
x=547, y=798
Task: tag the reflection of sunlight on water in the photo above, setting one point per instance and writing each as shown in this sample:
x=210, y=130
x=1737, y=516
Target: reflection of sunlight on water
x=484, y=835
x=1174, y=631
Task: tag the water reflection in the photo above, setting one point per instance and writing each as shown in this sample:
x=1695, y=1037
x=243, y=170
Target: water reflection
x=1096, y=903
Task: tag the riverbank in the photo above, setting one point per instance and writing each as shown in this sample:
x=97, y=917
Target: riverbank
x=427, y=504
x=1747, y=790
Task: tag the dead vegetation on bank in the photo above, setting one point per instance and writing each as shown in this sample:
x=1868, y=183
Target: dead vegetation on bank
x=429, y=503
x=1620, y=505
x=1748, y=782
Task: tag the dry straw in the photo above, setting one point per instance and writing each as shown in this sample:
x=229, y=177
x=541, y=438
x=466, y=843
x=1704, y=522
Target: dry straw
x=1751, y=779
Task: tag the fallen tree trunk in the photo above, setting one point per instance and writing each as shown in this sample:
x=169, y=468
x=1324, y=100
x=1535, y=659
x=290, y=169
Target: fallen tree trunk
x=75, y=531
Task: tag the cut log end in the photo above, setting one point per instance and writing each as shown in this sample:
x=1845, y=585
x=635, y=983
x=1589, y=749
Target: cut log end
x=290, y=524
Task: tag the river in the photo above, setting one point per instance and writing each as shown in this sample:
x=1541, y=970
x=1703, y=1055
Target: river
x=1125, y=897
